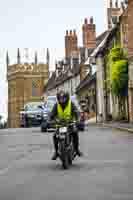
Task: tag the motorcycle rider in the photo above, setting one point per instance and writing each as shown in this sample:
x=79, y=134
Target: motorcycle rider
x=65, y=109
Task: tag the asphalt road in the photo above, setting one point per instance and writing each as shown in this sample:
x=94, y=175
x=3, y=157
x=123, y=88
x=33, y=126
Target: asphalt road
x=105, y=172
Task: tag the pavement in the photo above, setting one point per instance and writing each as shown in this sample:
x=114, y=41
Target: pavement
x=103, y=173
x=123, y=126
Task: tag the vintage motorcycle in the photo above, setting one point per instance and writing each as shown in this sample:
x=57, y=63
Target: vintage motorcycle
x=64, y=134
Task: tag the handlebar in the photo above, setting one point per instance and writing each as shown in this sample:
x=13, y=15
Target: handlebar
x=58, y=122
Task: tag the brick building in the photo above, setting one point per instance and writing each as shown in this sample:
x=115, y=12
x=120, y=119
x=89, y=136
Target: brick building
x=25, y=83
x=72, y=69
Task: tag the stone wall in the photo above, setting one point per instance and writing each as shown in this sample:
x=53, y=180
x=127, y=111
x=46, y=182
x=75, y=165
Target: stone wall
x=25, y=83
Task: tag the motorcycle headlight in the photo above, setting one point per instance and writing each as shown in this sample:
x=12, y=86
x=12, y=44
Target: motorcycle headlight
x=63, y=129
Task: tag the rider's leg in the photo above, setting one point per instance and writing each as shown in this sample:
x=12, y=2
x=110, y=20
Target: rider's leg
x=55, y=141
x=76, y=143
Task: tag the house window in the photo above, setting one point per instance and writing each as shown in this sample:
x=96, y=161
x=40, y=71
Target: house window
x=35, y=88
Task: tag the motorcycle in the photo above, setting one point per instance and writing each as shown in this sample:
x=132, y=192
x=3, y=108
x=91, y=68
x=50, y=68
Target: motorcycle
x=64, y=134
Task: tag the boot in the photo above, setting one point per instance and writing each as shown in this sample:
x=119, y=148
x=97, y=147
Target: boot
x=55, y=156
x=76, y=144
x=79, y=153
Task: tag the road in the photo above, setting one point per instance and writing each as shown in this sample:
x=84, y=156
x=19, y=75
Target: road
x=105, y=172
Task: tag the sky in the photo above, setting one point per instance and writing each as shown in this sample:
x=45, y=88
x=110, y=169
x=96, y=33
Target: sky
x=41, y=24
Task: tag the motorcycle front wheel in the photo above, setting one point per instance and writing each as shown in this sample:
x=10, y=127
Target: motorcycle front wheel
x=64, y=156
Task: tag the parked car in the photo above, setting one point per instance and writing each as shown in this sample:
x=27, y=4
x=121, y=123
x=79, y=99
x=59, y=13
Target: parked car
x=31, y=114
x=46, y=124
x=52, y=98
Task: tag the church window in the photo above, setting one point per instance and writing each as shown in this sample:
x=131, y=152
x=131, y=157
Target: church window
x=35, y=88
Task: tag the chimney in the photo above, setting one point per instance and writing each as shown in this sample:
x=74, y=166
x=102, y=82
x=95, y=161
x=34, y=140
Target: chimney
x=112, y=13
x=116, y=4
x=122, y=6
x=67, y=44
x=71, y=43
x=89, y=34
x=111, y=4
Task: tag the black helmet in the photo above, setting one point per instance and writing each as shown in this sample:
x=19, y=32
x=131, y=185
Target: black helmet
x=62, y=97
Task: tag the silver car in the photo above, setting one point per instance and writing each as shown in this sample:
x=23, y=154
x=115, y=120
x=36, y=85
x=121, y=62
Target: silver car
x=31, y=114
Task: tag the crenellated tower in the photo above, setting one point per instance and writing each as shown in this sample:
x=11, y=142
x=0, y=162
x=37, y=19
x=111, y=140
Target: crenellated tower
x=25, y=84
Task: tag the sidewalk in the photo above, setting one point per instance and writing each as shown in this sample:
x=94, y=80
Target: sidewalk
x=123, y=126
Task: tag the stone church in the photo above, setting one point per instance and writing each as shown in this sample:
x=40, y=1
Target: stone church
x=26, y=82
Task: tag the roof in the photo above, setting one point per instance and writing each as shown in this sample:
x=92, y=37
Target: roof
x=103, y=45
x=69, y=73
x=86, y=81
x=51, y=82
x=64, y=76
x=100, y=38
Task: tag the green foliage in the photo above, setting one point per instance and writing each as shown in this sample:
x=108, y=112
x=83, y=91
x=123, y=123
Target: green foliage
x=116, y=54
x=119, y=70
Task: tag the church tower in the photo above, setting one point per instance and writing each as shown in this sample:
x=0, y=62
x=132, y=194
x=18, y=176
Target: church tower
x=25, y=84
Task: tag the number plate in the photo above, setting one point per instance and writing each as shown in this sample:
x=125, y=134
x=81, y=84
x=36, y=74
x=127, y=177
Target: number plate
x=63, y=129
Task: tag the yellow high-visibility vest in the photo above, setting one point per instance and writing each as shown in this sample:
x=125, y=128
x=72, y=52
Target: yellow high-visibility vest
x=65, y=114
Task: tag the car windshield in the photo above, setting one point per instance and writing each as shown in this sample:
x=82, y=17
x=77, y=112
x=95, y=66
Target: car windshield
x=51, y=98
x=33, y=106
x=50, y=105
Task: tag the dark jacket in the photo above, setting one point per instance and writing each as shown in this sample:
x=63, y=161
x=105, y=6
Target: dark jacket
x=75, y=112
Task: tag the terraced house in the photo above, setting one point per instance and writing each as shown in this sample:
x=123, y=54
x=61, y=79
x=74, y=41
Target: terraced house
x=107, y=103
x=70, y=71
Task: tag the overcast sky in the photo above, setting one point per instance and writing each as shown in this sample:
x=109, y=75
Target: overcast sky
x=41, y=24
